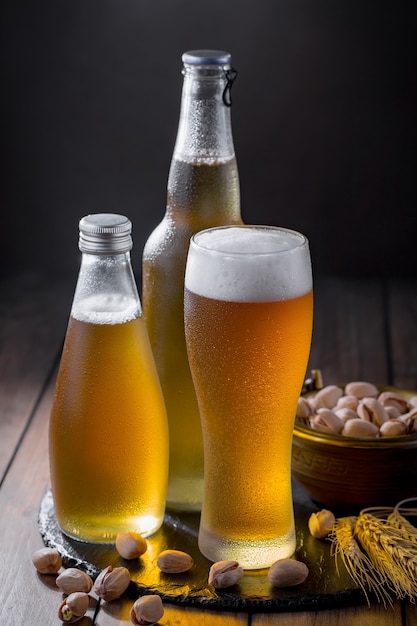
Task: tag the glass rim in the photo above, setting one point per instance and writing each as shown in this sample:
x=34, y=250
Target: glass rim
x=302, y=240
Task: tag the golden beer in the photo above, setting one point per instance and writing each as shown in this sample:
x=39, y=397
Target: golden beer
x=248, y=324
x=199, y=195
x=108, y=433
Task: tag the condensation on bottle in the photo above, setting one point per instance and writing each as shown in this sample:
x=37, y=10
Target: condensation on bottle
x=202, y=191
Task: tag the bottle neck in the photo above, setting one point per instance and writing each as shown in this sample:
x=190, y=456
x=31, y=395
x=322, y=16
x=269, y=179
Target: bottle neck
x=106, y=291
x=204, y=131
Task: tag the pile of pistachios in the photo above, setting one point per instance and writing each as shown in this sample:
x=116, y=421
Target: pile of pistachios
x=358, y=410
x=82, y=593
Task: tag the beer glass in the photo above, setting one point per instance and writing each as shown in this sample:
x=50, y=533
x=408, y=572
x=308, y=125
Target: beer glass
x=248, y=324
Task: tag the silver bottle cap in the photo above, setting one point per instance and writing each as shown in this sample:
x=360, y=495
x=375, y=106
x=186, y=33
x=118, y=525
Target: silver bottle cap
x=207, y=57
x=105, y=233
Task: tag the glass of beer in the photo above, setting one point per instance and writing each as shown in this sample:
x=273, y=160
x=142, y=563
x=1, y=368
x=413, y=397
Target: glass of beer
x=248, y=326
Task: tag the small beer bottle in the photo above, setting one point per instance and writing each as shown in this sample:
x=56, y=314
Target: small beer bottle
x=108, y=434
x=203, y=191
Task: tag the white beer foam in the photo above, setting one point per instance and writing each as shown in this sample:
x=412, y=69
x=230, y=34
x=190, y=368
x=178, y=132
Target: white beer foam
x=241, y=264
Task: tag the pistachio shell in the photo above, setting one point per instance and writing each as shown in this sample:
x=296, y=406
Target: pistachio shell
x=393, y=428
x=410, y=420
x=131, y=545
x=347, y=402
x=327, y=397
x=304, y=408
x=287, y=573
x=360, y=428
x=224, y=574
x=174, y=561
x=361, y=389
x=47, y=560
x=371, y=410
x=111, y=583
x=74, y=607
x=346, y=414
x=393, y=412
x=72, y=580
x=393, y=399
x=147, y=610
x=321, y=523
x=412, y=402
x=412, y=425
x=326, y=421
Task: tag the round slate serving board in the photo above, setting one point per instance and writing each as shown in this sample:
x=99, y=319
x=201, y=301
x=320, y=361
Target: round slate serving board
x=327, y=586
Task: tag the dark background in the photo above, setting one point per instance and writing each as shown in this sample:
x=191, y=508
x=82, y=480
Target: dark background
x=324, y=121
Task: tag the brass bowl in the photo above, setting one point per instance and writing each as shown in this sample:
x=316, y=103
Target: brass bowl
x=346, y=474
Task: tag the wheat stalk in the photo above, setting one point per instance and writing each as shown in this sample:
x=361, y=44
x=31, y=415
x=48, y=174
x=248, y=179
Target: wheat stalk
x=357, y=563
x=397, y=519
x=379, y=550
x=392, y=554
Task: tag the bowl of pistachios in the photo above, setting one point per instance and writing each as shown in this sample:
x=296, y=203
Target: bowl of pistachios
x=355, y=445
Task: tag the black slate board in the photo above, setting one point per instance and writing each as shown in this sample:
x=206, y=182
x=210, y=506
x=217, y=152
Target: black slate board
x=327, y=585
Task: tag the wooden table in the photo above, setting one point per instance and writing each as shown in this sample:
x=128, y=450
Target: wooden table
x=364, y=329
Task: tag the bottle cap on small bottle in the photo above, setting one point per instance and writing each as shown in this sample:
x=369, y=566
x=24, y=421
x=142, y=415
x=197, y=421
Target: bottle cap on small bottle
x=207, y=57
x=105, y=233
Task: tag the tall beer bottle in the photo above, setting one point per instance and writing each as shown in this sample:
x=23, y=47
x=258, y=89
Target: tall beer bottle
x=203, y=191
x=108, y=437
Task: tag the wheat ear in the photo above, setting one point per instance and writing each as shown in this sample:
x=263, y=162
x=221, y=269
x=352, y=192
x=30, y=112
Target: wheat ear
x=357, y=563
x=392, y=554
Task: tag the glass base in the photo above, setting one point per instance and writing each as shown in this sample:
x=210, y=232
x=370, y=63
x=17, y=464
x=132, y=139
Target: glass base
x=249, y=554
x=94, y=530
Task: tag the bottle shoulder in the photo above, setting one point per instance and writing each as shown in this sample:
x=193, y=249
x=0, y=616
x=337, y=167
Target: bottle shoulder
x=200, y=195
x=170, y=237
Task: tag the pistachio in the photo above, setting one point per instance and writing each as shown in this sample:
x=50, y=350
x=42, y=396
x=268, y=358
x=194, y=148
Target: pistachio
x=347, y=402
x=321, y=523
x=411, y=413
x=361, y=389
x=287, y=573
x=393, y=412
x=147, y=610
x=47, y=560
x=111, y=583
x=371, y=410
x=74, y=607
x=412, y=402
x=174, y=562
x=412, y=424
x=224, y=574
x=327, y=397
x=73, y=579
x=392, y=399
x=410, y=420
x=360, y=428
x=393, y=428
x=304, y=408
x=131, y=545
x=326, y=421
x=346, y=414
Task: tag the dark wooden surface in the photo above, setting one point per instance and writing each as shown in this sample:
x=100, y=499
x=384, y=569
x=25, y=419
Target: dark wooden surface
x=364, y=329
